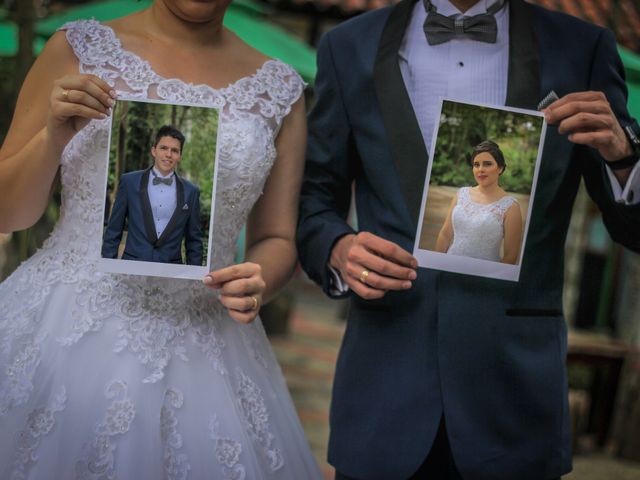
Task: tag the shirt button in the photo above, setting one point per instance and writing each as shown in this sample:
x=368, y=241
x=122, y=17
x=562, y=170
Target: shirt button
x=461, y=64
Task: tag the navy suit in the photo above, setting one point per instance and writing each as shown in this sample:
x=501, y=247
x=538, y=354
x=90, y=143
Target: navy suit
x=132, y=205
x=486, y=354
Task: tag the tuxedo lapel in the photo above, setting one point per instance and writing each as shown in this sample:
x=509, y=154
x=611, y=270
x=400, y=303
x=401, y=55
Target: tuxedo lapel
x=407, y=146
x=149, y=224
x=523, y=87
x=173, y=221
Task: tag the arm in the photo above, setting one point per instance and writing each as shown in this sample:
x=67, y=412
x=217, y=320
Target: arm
x=512, y=234
x=445, y=237
x=324, y=237
x=271, y=250
x=193, y=233
x=54, y=103
x=115, y=227
x=593, y=122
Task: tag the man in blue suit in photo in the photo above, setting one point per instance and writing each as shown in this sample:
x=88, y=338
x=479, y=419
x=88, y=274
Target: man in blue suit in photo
x=160, y=209
x=442, y=375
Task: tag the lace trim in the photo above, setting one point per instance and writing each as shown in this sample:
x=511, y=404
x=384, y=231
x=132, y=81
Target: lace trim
x=176, y=465
x=40, y=422
x=98, y=454
x=227, y=452
x=497, y=208
x=256, y=416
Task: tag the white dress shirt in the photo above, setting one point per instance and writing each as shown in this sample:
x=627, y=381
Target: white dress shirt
x=162, y=199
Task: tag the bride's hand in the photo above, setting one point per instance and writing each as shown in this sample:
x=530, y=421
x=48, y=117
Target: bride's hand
x=241, y=288
x=74, y=101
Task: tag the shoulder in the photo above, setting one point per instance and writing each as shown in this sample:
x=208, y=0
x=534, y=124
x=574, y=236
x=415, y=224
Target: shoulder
x=131, y=176
x=364, y=28
x=552, y=26
x=188, y=186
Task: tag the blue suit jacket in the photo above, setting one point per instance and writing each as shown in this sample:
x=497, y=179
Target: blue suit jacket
x=132, y=205
x=487, y=354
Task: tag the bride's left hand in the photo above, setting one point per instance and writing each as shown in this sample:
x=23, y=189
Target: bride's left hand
x=241, y=288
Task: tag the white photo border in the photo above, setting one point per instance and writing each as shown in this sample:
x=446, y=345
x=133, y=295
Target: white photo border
x=157, y=269
x=468, y=265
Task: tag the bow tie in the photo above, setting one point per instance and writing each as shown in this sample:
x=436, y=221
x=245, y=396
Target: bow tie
x=166, y=181
x=482, y=28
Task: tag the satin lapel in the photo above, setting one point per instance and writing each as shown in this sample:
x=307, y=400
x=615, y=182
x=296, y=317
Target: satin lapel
x=407, y=146
x=523, y=87
x=176, y=213
x=149, y=224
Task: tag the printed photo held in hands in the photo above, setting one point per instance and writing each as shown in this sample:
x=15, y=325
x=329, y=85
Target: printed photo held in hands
x=160, y=189
x=478, y=189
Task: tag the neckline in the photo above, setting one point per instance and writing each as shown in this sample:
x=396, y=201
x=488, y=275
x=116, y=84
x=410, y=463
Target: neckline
x=161, y=79
x=468, y=192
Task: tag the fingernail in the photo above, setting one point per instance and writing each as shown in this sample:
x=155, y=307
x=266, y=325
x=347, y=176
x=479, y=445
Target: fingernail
x=109, y=111
x=111, y=102
x=414, y=263
x=113, y=94
x=207, y=280
x=406, y=285
x=412, y=275
x=102, y=116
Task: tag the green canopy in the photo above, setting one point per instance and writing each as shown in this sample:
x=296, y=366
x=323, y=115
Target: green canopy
x=632, y=69
x=244, y=17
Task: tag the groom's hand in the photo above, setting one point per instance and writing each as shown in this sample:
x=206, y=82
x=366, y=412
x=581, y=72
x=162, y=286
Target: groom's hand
x=371, y=265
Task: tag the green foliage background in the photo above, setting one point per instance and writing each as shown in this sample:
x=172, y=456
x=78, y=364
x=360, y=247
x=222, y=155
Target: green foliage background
x=462, y=126
x=132, y=135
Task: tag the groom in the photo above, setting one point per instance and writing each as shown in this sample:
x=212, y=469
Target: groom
x=442, y=375
x=160, y=208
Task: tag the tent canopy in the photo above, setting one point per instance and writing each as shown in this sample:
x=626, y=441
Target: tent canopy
x=244, y=17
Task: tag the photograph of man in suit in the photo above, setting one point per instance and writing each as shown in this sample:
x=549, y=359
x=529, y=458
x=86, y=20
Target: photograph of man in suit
x=442, y=375
x=159, y=208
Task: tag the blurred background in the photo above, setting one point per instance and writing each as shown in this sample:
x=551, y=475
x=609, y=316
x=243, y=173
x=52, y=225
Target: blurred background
x=602, y=280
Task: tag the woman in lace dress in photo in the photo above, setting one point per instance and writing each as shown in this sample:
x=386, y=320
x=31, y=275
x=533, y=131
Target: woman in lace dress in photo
x=132, y=377
x=483, y=221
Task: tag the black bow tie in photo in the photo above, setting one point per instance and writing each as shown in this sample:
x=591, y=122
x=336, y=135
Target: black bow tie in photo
x=157, y=180
x=482, y=28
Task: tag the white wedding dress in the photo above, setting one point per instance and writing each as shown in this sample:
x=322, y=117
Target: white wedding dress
x=478, y=229
x=139, y=378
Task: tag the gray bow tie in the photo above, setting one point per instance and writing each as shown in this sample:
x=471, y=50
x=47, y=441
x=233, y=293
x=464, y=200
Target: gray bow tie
x=166, y=181
x=482, y=28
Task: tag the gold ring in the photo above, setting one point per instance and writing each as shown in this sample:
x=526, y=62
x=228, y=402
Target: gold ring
x=255, y=303
x=65, y=95
x=363, y=276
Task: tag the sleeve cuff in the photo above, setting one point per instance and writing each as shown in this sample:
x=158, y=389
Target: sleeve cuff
x=630, y=194
x=337, y=286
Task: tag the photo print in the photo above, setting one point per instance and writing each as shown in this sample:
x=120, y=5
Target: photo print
x=160, y=189
x=479, y=189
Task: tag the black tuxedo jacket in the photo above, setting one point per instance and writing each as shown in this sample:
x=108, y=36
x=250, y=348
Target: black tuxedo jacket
x=132, y=207
x=487, y=354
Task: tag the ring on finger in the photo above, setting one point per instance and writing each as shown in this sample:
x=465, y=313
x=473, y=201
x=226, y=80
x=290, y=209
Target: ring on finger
x=364, y=275
x=255, y=303
x=65, y=95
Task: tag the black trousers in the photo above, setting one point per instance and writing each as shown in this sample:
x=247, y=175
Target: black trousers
x=439, y=464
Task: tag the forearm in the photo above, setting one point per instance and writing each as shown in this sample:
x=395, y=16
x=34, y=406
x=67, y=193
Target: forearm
x=442, y=243
x=277, y=259
x=26, y=177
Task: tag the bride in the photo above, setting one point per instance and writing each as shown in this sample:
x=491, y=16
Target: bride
x=484, y=218
x=106, y=376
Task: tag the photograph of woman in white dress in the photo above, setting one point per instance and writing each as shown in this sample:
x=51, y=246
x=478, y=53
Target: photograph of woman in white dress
x=483, y=221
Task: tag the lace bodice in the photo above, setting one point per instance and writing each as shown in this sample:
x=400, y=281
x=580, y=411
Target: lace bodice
x=477, y=228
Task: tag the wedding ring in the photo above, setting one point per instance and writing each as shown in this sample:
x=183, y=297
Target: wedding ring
x=65, y=95
x=255, y=303
x=363, y=276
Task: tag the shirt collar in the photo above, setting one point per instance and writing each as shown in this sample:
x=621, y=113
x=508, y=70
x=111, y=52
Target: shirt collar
x=446, y=8
x=158, y=174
